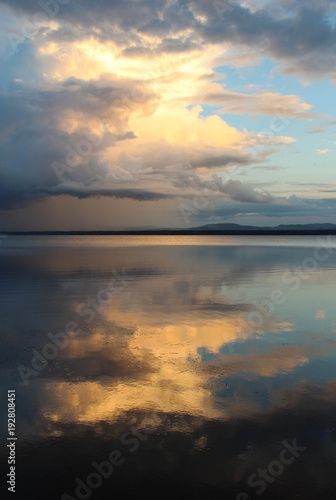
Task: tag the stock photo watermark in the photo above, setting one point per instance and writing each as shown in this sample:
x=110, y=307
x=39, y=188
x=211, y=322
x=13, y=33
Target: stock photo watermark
x=11, y=445
x=103, y=470
x=59, y=341
x=264, y=477
x=223, y=7
x=84, y=148
x=293, y=278
x=205, y=193
x=48, y=10
x=208, y=191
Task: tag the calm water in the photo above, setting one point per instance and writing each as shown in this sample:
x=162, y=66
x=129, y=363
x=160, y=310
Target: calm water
x=201, y=367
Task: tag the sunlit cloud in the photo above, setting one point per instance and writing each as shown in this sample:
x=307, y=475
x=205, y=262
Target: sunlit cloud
x=170, y=92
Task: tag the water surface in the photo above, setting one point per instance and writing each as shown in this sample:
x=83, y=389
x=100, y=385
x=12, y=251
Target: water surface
x=196, y=357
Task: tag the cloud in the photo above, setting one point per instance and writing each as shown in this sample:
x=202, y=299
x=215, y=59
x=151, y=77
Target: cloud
x=134, y=121
x=97, y=190
x=245, y=194
x=111, y=136
x=262, y=103
x=302, y=39
x=64, y=129
x=321, y=151
x=300, y=36
x=318, y=129
x=299, y=210
x=208, y=160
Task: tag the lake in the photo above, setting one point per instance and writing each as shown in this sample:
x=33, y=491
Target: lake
x=185, y=366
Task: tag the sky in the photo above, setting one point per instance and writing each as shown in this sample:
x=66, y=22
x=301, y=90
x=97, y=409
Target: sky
x=123, y=114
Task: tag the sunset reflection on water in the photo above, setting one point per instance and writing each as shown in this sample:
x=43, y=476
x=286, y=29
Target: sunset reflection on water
x=167, y=351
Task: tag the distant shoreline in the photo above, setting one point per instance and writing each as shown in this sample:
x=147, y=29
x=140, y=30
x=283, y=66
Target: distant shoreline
x=168, y=232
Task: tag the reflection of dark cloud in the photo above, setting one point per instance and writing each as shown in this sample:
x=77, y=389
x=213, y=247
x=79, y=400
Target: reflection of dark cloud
x=218, y=307
x=186, y=456
x=111, y=357
x=192, y=457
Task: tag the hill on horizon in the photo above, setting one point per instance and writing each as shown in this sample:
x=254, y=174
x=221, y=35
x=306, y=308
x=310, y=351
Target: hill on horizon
x=221, y=228
x=281, y=227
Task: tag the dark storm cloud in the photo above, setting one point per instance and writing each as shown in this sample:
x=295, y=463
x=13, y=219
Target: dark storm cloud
x=167, y=46
x=155, y=27
x=171, y=45
x=126, y=15
x=101, y=97
x=303, y=37
x=33, y=139
x=231, y=158
x=81, y=191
